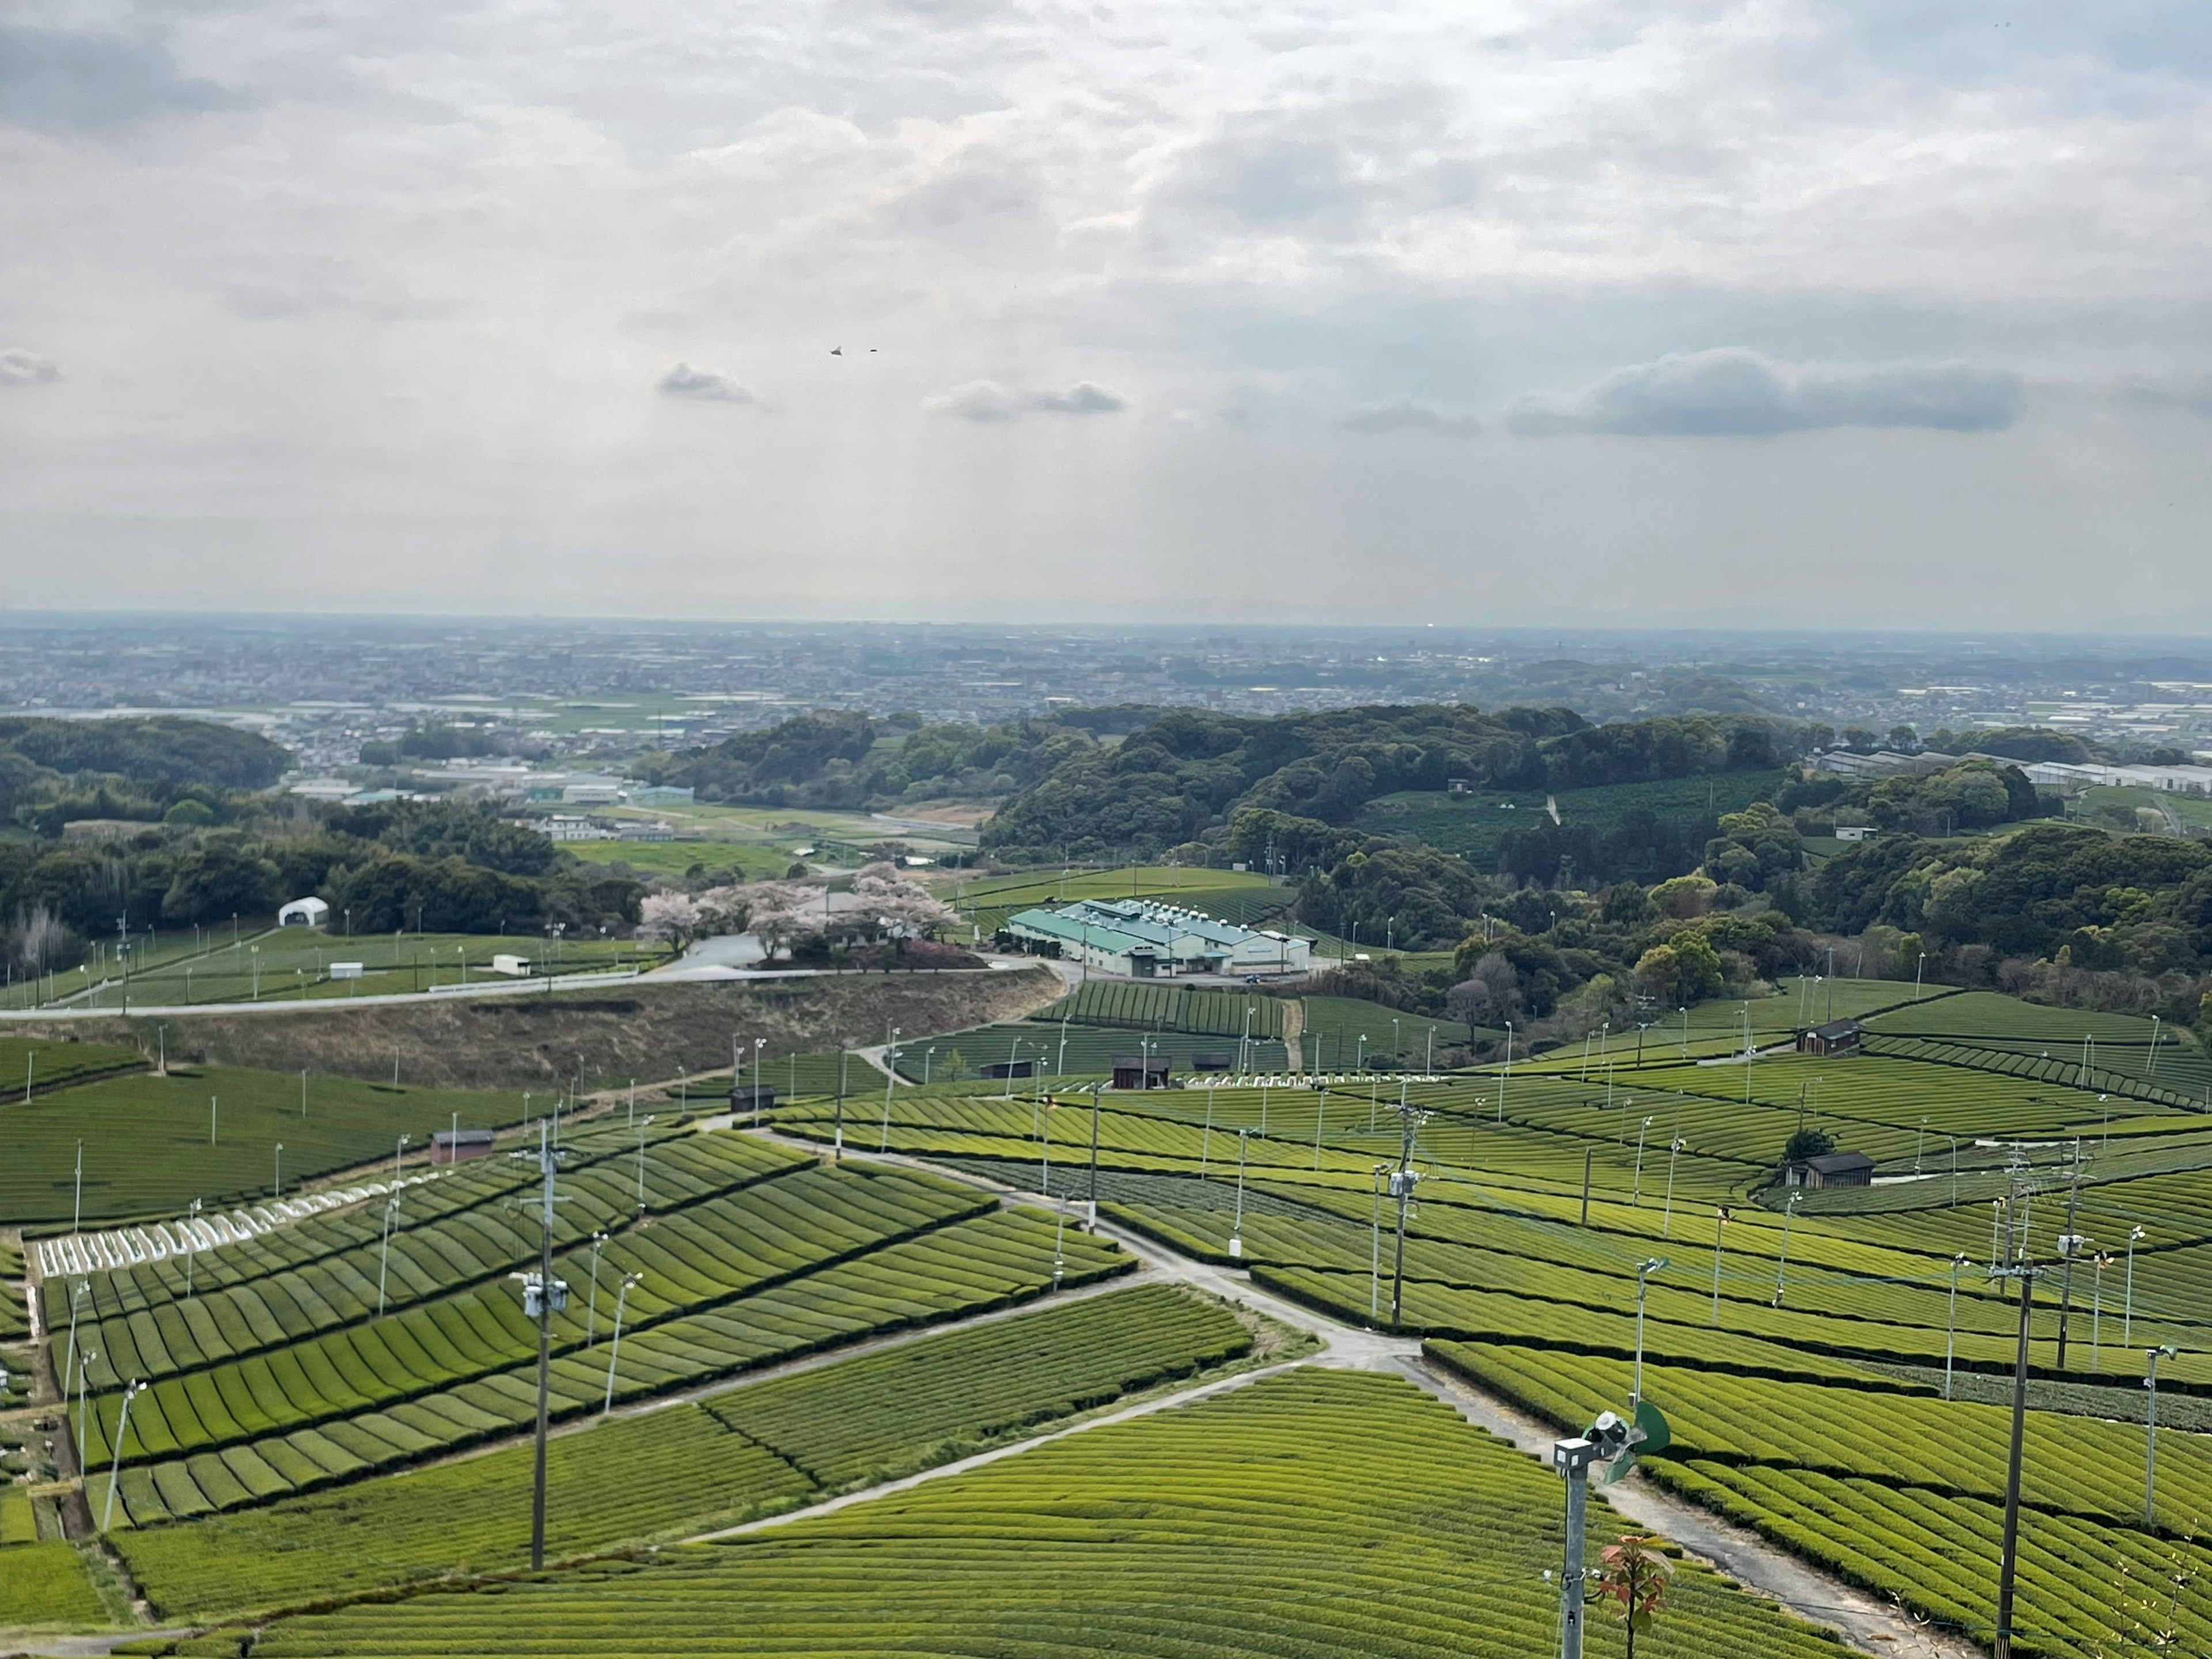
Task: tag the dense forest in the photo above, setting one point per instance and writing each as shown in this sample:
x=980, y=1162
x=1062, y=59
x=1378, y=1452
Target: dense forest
x=1188, y=780
x=850, y=760
x=52, y=771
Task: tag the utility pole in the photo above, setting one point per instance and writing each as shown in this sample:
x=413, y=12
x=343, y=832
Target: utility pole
x=2008, y=1562
x=1402, y=1181
x=543, y=1296
x=2068, y=1248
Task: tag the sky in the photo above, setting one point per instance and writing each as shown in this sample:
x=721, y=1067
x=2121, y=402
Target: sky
x=1781, y=312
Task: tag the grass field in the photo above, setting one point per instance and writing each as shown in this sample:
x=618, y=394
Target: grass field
x=1251, y=1523
x=149, y=1151
x=746, y=860
x=1559, y=1220
x=1908, y=1490
x=690, y=1467
x=293, y=964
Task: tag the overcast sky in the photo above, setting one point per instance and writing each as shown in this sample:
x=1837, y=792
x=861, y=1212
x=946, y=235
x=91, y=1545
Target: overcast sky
x=1883, y=311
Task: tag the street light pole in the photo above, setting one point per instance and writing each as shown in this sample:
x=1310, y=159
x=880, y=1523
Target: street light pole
x=1781, y=1269
x=614, y=1354
x=1237, y=1227
x=2128, y=1317
x=1951, y=1337
x=1635, y=1198
x=1645, y=1269
x=1720, y=1219
x=890, y=1078
x=2151, y=1356
x=384, y=1265
x=1667, y=1219
x=591, y=1324
x=115, y=1470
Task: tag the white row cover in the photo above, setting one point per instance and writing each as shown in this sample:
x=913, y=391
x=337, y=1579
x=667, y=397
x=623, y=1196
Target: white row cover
x=75, y=1254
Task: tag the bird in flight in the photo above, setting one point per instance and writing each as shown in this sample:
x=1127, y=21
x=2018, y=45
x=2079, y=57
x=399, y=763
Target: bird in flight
x=836, y=351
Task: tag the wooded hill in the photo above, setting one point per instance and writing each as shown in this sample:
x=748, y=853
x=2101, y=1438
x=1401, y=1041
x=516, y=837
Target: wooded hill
x=1189, y=777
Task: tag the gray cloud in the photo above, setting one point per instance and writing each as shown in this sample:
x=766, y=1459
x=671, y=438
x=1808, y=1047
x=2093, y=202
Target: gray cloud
x=1736, y=393
x=1407, y=417
x=22, y=367
x=704, y=386
x=2193, y=394
x=989, y=401
x=51, y=79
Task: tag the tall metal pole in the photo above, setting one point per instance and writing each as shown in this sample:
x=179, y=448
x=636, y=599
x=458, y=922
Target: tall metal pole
x=2128, y=1317
x=2150, y=1439
x=1951, y=1337
x=1720, y=1220
x=1781, y=1267
x=1402, y=1188
x=2070, y=1247
x=1095, y=1088
x=545, y=1299
x=2008, y=1565
x=1573, y=1458
x=1375, y=1248
x=1237, y=1227
x=1645, y=1269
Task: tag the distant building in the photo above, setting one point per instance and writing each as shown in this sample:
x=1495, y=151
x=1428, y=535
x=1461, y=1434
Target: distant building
x=747, y=1097
x=645, y=832
x=1856, y=832
x=513, y=967
x=1139, y=1071
x=309, y=912
x=346, y=970
x=459, y=1146
x=1005, y=1068
x=1143, y=939
x=591, y=791
x=1883, y=764
x=330, y=789
x=659, y=795
x=568, y=826
x=1838, y=1036
x=1833, y=1169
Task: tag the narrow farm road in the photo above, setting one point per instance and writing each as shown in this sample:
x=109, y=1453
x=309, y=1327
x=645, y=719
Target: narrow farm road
x=1870, y=1625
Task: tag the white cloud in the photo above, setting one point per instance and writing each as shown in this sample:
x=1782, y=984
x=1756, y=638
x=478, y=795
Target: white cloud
x=988, y=401
x=704, y=386
x=1406, y=416
x=359, y=280
x=1734, y=393
x=22, y=367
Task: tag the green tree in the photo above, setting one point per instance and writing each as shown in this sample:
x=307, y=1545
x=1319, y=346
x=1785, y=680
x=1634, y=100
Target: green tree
x=1659, y=971
x=1699, y=967
x=1635, y=1574
x=1809, y=1143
